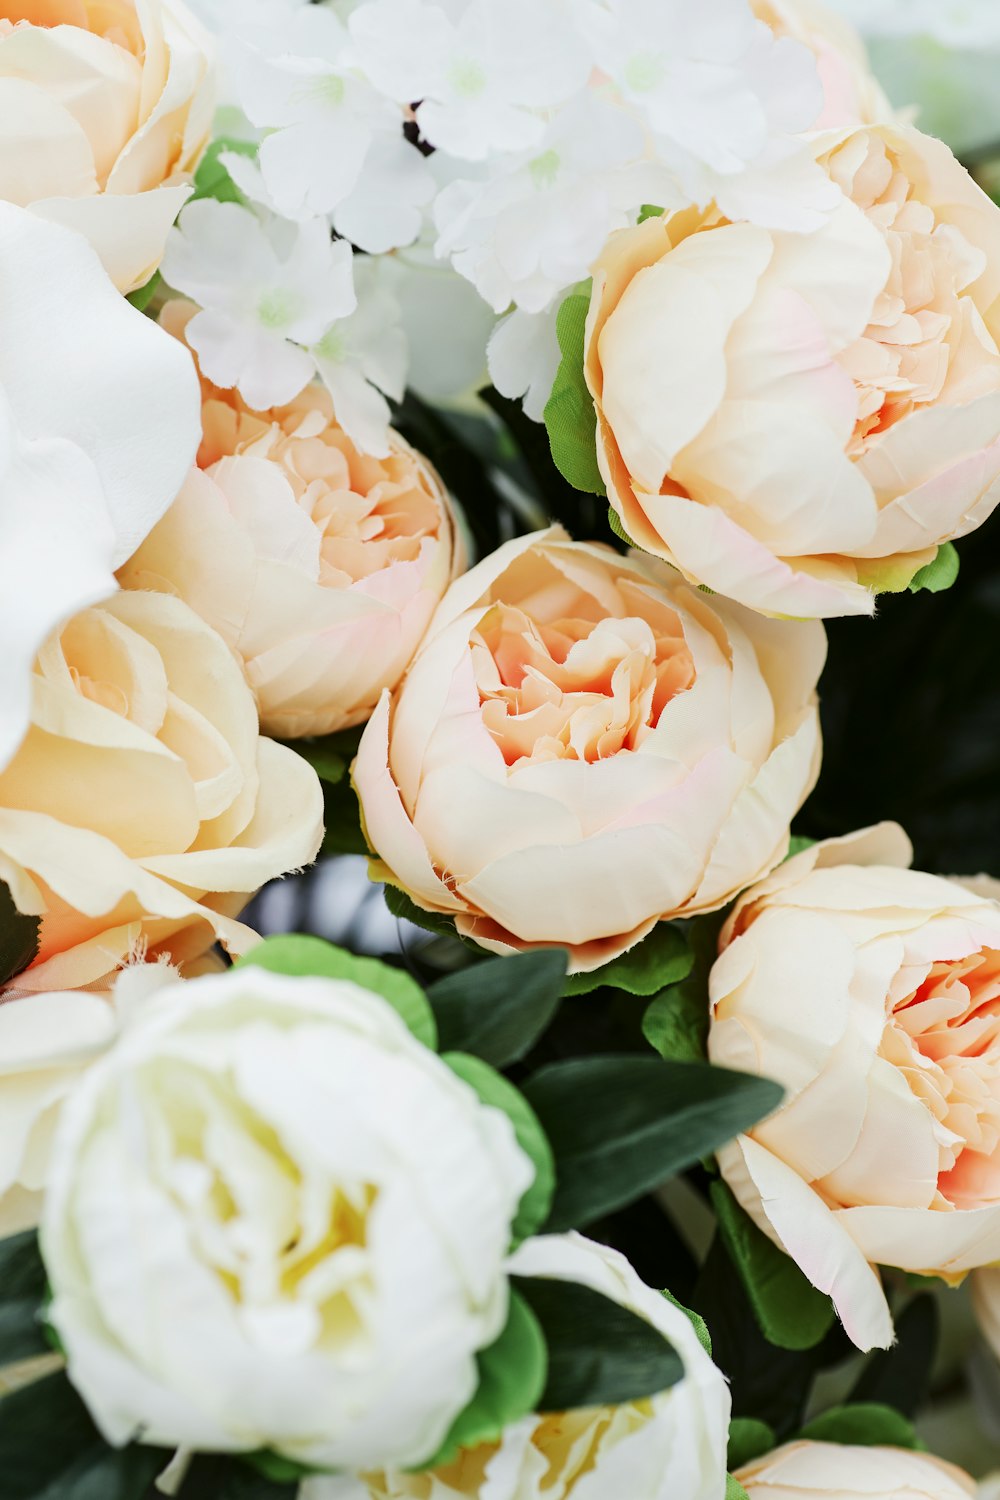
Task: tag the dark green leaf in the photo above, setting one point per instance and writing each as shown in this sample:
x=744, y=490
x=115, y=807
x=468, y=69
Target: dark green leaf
x=406, y=910
x=939, y=574
x=570, y=416
x=276, y=1467
x=343, y=830
x=789, y=1309
x=143, y=295
x=676, y=1020
x=696, y=1320
x=748, y=1439
x=323, y=755
x=614, y=521
x=18, y=937
x=512, y=1376
x=22, y=1294
x=868, y=1426
x=216, y=1476
x=497, y=1010
x=619, y=1126
x=600, y=1353
x=493, y=1089
x=662, y=958
x=900, y=1377
x=212, y=180
x=51, y=1450
x=297, y=954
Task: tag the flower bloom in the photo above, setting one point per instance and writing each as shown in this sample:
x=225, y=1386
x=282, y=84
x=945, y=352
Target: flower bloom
x=143, y=809
x=835, y=414
x=829, y=1471
x=670, y=1446
x=871, y=992
x=583, y=747
x=851, y=92
x=318, y=564
x=306, y=1213
x=105, y=108
x=85, y=469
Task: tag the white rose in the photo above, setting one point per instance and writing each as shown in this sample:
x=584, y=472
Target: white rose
x=668, y=1447
x=274, y=1219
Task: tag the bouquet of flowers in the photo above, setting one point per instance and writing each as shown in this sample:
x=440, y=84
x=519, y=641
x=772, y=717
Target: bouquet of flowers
x=436, y=437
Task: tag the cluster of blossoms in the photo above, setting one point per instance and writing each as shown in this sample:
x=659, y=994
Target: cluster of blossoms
x=275, y=1218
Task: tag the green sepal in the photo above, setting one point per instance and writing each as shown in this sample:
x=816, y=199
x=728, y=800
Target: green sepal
x=600, y=1353
x=512, y=1376
x=494, y=1090
x=662, y=958
x=790, y=1311
x=570, y=414
x=299, y=955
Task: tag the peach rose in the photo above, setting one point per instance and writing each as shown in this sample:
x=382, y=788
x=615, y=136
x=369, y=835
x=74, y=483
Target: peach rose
x=143, y=809
x=871, y=992
x=319, y=565
x=851, y=92
x=105, y=108
x=799, y=421
x=828, y=1471
x=584, y=746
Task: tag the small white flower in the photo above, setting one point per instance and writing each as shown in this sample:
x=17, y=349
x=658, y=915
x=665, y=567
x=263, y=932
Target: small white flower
x=362, y=356
x=334, y=144
x=275, y=1219
x=524, y=357
x=532, y=224
x=481, y=70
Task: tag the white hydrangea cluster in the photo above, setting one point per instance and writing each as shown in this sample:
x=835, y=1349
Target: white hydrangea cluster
x=499, y=144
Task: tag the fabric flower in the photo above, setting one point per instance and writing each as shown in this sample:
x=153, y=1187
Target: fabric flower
x=829, y=1471
x=143, y=810
x=668, y=1447
x=98, y=426
x=279, y=305
x=276, y=1220
x=851, y=92
x=836, y=414
x=484, y=73
x=871, y=993
x=320, y=566
x=583, y=747
x=105, y=109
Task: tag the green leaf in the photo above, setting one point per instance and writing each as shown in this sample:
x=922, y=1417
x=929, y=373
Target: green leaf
x=734, y=1490
x=619, y=1126
x=143, y=295
x=939, y=574
x=900, y=1377
x=212, y=180
x=570, y=415
x=216, y=1476
x=866, y=1425
x=798, y=843
x=662, y=958
x=696, y=1320
x=51, y=1450
x=614, y=521
x=789, y=1309
x=748, y=1439
x=18, y=937
x=650, y=211
x=512, y=1377
x=676, y=1020
x=493, y=1089
x=600, y=1353
x=497, y=1010
x=406, y=910
x=277, y=1468
x=22, y=1295
x=330, y=757
x=300, y=955
x=324, y=755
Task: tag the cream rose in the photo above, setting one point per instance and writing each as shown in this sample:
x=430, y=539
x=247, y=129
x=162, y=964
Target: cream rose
x=827, y=1471
x=276, y=1220
x=319, y=565
x=105, y=108
x=799, y=421
x=871, y=992
x=143, y=809
x=668, y=1447
x=585, y=746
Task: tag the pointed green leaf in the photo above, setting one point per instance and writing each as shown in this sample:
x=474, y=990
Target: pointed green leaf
x=570, y=415
x=619, y=1126
x=789, y=1309
x=662, y=958
x=300, y=955
x=600, y=1353
x=495, y=1090
x=497, y=1010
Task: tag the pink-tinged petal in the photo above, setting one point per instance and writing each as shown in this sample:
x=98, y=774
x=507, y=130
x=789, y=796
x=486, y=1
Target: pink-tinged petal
x=796, y=1218
x=929, y=1241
